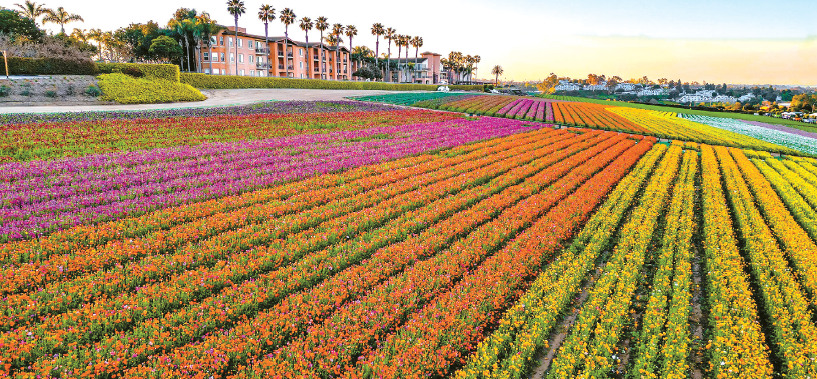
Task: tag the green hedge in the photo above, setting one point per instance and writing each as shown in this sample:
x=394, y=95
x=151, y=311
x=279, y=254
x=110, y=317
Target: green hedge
x=230, y=82
x=49, y=66
x=151, y=71
x=125, y=89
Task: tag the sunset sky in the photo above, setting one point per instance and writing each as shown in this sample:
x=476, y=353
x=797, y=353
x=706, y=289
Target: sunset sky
x=715, y=41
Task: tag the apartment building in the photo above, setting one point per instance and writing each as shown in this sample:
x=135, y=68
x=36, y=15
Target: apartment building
x=274, y=56
x=427, y=69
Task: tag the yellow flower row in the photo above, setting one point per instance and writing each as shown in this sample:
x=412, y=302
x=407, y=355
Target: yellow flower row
x=807, y=170
x=669, y=302
x=590, y=349
x=795, y=334
x=523, y=330
x=799, y=195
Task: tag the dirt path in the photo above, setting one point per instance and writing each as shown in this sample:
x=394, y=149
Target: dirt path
x=215, y=98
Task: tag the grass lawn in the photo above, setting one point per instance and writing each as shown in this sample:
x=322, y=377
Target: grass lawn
x=748, y=117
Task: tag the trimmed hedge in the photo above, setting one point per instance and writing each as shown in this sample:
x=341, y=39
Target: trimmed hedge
x=49, y=66
x=150, y=71
x=232, y=82
x=126, y=89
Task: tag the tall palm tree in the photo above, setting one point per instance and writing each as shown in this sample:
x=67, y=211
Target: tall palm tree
x=96, y=35
x=477, y=59
x=351, y=32
x=205, y=29
x=306, y=26
x=287, y=18
x=337, y=32
x=321, y=23
x=497, y=70
x=406, y=43
x=79, y=35
x=32, y=10
x=236, y=8
x=389, y=35
x=182, y=29
x=417, y=43
x=334, y=40
x=60, y=16
x=266, y=14
x=377, y=31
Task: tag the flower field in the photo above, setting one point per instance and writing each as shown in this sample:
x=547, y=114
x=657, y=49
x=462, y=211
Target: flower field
x=356, y=240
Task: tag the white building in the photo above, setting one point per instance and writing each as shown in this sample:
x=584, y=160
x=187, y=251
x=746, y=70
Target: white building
x=567, y=86
x=625, y=86
x=597, y=87
x=746, y=97
x=651, y=92
x=724, y=99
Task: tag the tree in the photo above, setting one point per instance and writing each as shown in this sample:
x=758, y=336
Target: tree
x=287, y=18
x=351, y=32
x=337, y=32
x=205, y=29
x=165, y=48
x=32, y=10
x=236, y=9
x=321, y=23
x=182, y=29
x=79, y=35
x=377, y=31
x=398, y=41
x=417, y=43
x=266, y=14
x=390, y=34
x=306, y=26
x=548, y=86
x=15, y=26
x=60, y=16
x=477, y=59
x=96, y=35
x=497, y=70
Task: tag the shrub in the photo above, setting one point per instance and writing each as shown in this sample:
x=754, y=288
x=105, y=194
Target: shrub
x=5, y=90
x=133, y=71
x=148, y=71
x=50, y=66
x=93, y=91
x=128, y=90
x=51, y=93
x=230, y=82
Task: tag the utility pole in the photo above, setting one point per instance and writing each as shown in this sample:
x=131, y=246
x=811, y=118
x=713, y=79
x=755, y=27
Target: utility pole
x=6, y=60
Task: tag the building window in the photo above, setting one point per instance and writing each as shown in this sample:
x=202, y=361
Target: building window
x=240, y=58
x=251, y=57
x=231, y=41
x=206, y=70
x=252, y=72
x=222, y=57
x=301, y=52
x=206, y=57
x=232, y=57
x=249, y=43
x=215, y=71
x=213, y=40
x=221, y=40
x=260, y=59
x=240, y=42
x=301, y=64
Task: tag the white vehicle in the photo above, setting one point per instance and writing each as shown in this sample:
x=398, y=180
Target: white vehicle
x=443, y=89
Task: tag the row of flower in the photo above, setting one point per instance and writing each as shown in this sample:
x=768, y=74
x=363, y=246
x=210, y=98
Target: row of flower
x=272, y=329
x=259, y=164
x=663, y=345
x=52, y=140
x=591, y=348
x=414, y=97
x=594, y=116
x=777, y=137
x=366, y=336
x=799, y=195
x=736, y=347
x=195, y=254
x=524, y=329
x=103, y=317
x=793, y=332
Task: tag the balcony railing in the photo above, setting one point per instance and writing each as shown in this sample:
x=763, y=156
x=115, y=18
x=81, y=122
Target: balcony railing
x=290, y=68
x=261, y=65
x=289, y=55
x=261, y=50
x=280, y=67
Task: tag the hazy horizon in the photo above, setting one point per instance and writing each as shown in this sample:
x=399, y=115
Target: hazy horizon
x=713, y=41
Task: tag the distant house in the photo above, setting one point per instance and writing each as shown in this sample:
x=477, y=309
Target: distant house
x=596, y=87
x=651, y=92
x=746, y=97
x=567, y=86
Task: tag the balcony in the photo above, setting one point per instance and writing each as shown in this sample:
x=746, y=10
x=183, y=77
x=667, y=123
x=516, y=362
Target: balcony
x=261, y=50
x=289, y=55
x=280, y=67
x=290, y=68
x=262, y=66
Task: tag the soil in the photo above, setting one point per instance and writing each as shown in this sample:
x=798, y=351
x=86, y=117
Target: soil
x=48, y=90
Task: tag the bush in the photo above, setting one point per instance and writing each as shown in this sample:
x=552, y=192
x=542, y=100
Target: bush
x=93, y=91
x=128, y=90
x=231, y=82
x=133, y=71
x=50, y=66
x=51, y=93
x=5, y=90
x=148, y=71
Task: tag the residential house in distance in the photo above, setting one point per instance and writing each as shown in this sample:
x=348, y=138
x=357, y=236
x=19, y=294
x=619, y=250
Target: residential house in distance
x=564, y=85
x=257, y=58
x=428, y=69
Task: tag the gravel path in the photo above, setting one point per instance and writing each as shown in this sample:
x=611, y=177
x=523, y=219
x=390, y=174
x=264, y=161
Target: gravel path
x=214, y=98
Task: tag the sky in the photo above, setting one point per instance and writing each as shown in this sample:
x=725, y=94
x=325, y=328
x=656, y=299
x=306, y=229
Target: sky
x=717, y=41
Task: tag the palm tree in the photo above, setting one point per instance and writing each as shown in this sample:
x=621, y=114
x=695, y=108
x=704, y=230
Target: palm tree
x=266, y=14
x=389, y=35
x=417, y=43
x=32, y=10
x=182, y=29
x=477, y=59
x=96, y=35
x=306, y=26
x=406, y=42
x=337, y=32
x=287, y=17
x=351, y=32
x=333, y=41
x=205, y=29
x=321, y=23
x=79, y=35
x=60, y=16
x=497, y=70
x=398, y=41
x=377, y=31
x=236, y=8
